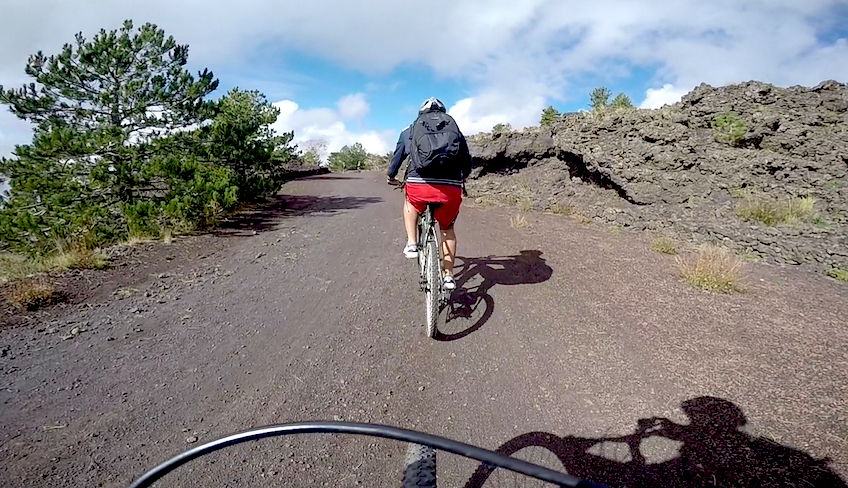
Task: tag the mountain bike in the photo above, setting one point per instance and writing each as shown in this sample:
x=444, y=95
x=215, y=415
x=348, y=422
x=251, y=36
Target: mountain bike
x=430, y=269
x=420, y=464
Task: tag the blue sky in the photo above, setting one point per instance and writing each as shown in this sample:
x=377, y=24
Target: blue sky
x=343, y=72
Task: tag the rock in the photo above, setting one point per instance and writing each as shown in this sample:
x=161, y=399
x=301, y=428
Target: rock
x=672, y=169
x=191, y=439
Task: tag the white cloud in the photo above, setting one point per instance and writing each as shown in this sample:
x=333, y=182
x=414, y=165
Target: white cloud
x=353, y=107
x=12, y=131
x=328, y=125
x=667, y=95
x=481, y=113
x=497, y=49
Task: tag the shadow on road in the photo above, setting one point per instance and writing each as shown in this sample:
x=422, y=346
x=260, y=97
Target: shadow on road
x=473, y=302
x=712, y=452
x=265, y=217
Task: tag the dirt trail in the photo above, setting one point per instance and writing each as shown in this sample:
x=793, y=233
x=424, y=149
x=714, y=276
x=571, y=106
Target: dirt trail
x=307, y=310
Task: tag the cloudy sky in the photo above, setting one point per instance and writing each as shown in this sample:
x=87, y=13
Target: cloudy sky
x=343, y=71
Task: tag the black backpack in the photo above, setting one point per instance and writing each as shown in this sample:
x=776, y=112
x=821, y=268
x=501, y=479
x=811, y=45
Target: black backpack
x=435, y=143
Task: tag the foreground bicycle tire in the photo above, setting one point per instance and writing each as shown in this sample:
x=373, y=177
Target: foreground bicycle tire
x=430, y=269
x=374, y=430
x=420, y=467
x=434, y=285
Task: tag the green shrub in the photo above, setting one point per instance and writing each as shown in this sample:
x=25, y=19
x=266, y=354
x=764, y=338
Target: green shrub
x=773, y=212
x=500, y=129
x=728, y=128
x=599, y=97
x=621, y=101
x=839, y=274
x=549, y=116
x=348, y=158
x=663, y=245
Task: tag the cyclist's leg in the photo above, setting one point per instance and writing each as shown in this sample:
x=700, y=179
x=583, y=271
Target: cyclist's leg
x=448, y=249
x=410, y=216
x=447, y=214
x=411, y=208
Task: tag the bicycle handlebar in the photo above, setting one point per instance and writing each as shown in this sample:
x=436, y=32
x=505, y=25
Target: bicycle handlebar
x=374, y=430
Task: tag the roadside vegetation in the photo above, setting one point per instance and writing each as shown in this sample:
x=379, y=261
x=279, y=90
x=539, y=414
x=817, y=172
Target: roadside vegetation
x=128, y=146
x=772, y=211
x=712, y=269
x=355, y=158
x=728, y=128
x=664, y=245
x=838, y=274
x=599, y=103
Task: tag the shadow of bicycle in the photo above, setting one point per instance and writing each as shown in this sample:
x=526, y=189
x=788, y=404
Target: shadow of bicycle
x=710, y=451
x=471, y=305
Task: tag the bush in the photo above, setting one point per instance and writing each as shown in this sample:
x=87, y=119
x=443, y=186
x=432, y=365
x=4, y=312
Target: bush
x=728, y=128
x=549, y=116
x=839, y=274
x=663, y=245
x=500, y=129
x=348, y=158
x=599, y=97
x=621, y=101
x=712, y=269
x=773, y=212
x=31, y=294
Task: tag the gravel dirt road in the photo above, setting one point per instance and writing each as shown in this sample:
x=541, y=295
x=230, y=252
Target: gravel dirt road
x=561, y=335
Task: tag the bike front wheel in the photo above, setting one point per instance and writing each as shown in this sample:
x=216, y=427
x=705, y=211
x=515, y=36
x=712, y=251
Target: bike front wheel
x=432, y=269
x=420, y=469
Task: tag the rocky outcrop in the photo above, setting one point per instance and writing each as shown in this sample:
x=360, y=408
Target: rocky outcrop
x=685, y=167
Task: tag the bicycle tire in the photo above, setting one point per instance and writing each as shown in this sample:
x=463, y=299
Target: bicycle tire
x=420, y=467
x=421, y=240
x=431, y=301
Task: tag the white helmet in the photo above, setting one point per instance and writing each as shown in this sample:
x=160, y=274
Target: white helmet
x=430, y=105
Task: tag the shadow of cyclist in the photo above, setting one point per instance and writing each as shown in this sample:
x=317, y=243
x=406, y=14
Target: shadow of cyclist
x=471, y=300
x=713, y=452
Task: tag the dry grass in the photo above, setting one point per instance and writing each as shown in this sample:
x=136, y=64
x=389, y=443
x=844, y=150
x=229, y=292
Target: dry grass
x=15, y=267
x=663, y=245
x=581, y=218
x=750, y=257
x=77, y=258
x=838, y=274
x=31, y=294
x=713, y=269
x=560, y=208
x=772, y=212
x=524, y=202
x=519, y=222
x=134, y=239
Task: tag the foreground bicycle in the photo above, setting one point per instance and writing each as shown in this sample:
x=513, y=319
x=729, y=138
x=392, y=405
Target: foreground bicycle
x=420, y=466
x=430, y=266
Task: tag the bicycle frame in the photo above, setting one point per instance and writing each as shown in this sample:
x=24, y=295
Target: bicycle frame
x=374, y=430
x=426, y=224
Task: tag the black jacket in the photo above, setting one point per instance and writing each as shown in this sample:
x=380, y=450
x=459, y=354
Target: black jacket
x=453, y=175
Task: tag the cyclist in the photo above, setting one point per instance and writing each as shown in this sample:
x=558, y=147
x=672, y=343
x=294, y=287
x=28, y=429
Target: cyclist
x=439, y=162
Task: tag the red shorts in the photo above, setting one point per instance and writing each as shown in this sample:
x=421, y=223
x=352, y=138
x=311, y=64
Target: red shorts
x=420, y=194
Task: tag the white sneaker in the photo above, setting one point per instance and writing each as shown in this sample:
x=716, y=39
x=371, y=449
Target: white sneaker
x=410, y=251
x=449, y=282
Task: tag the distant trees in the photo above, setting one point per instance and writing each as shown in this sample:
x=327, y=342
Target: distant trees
x=549, y=116
x=348, y=158
x=599, y=100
